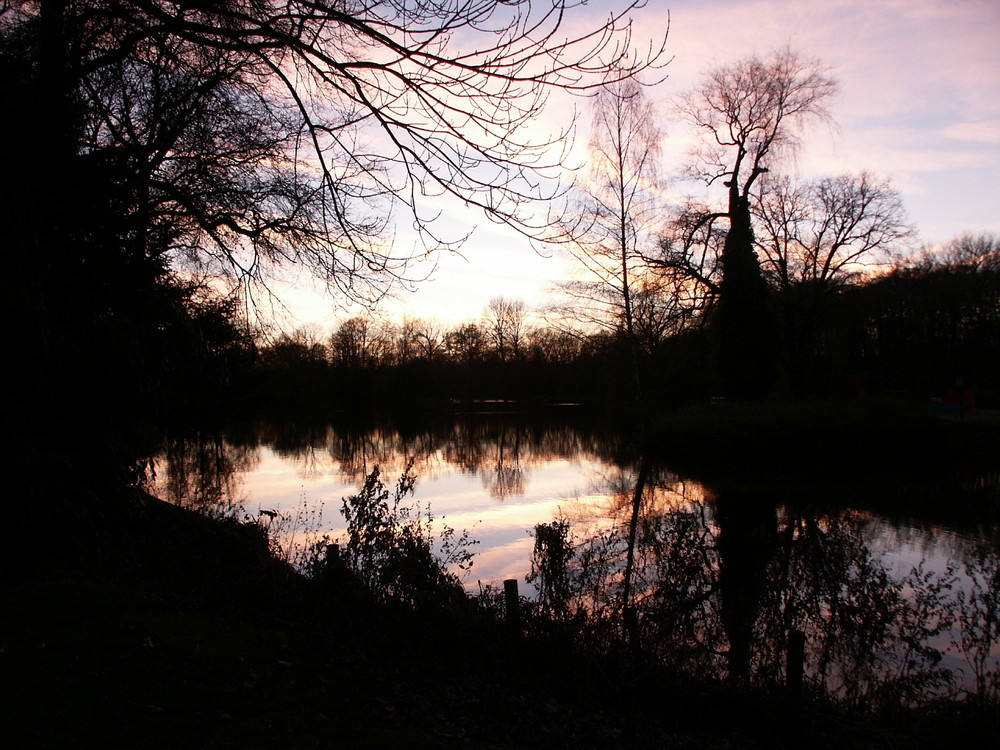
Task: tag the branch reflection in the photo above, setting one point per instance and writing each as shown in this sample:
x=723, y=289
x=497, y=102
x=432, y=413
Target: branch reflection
x=713, y=584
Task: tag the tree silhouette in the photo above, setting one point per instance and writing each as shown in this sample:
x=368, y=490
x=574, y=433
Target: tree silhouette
x=159, y=139
x=932, y=319
x=613, y=213
x=503, y=321
x=825, y=233
x=747, y=114
x=815, y=239
x=614, y=208
x=257, y=134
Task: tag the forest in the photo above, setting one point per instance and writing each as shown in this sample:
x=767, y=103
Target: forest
x=922, y=330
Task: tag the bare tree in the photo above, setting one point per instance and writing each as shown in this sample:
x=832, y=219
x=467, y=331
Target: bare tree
x=254, y=134
x=358, y=343
x=430, y=339
x=616, y=208
x=548, y=344
x=465, y=343
x=687, y=260
x=236, y=138
x=748, y=114
x=504, y=325
x=824, y=233
x=814, y=239
x=977, y=253
x=404, y=341
x=660, y=312
x=301, y=346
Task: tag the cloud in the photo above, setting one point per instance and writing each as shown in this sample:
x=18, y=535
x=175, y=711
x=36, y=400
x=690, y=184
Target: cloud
x=977, y=132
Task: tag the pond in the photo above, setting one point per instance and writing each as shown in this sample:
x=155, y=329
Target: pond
x=896, y=585
x=494, y=475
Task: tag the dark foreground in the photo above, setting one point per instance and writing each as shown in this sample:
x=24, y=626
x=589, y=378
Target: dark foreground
x=208, y=642
x=128, y=622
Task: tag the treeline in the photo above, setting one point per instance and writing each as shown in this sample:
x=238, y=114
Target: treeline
x=366, y=363
x=929, y=328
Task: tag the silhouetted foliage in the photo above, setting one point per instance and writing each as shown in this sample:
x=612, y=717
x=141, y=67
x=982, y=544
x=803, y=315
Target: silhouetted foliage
x=930, y=328
x=913, y=330
x=393, y=548
x=199, y=145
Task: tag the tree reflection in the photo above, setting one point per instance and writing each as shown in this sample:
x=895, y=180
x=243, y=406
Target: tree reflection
x=978, y=620
x=710, y=583
x=202, y=472
x=869, y=631
x=501, y=449
x=746, y=538
x=503, y=476
x=713, y=584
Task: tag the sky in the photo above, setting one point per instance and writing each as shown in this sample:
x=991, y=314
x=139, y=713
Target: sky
x=918, y=103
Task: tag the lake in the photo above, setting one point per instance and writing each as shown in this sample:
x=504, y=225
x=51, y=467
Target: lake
x=894, y=583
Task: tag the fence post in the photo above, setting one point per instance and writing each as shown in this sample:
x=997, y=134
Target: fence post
x=332, y=553
x=512, y=601
x=630, y=619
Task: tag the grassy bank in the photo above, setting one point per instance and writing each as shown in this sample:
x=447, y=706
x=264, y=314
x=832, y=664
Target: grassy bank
x=186, y=634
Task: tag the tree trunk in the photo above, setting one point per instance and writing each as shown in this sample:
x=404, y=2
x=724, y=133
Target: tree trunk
x=745, y=325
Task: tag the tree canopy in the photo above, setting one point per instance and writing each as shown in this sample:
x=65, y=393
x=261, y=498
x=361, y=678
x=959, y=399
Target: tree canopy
x=165, y=150
x=253, y=134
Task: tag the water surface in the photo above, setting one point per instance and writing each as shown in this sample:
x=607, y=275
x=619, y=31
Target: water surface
x=893, y=582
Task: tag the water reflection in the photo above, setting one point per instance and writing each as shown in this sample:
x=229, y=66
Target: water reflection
x=709, y=579
x=496, y=476
x=203, y=472
x=714, y=583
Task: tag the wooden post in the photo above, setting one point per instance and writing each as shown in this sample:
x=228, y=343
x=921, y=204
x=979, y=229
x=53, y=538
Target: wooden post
x=513, y=603
x=795, y=662
x=630, y=618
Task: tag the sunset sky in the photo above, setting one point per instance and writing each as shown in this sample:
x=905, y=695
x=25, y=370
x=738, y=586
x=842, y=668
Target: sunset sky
x=919, y=103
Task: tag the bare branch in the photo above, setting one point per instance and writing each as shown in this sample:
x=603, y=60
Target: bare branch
x=826, y=232
x=263, y=132
x=751, y=113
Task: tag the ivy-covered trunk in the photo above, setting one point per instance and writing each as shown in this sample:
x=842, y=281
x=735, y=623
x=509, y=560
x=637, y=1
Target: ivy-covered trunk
x=745, y=325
